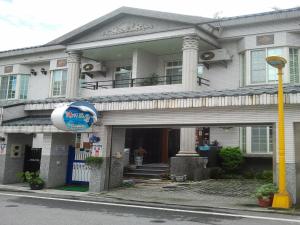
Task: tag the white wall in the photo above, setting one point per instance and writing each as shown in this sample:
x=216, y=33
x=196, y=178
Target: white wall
x=228, y=137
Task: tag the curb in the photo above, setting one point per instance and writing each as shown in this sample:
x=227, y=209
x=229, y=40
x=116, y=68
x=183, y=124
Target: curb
x=96, y=198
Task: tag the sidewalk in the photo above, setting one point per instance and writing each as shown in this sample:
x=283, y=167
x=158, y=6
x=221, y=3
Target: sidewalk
x=208, y=194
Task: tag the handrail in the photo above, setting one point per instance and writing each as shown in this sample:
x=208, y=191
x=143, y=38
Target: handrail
x=141, y=81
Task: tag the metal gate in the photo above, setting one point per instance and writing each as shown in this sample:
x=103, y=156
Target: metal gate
x=77, y=171
x=32, y=159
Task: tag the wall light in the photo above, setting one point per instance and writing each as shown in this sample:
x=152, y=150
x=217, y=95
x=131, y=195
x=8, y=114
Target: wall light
x=33, y=72
x=44, y=71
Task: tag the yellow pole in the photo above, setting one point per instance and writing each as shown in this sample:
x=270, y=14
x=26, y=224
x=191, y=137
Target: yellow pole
x=281, y=199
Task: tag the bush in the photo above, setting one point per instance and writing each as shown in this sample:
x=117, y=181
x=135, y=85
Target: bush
x=231, y=159
x=266, y=175
x=266, y=191
x=31, y=177
x=94, y=161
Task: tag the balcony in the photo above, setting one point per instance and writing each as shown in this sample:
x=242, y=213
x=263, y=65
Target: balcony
x=138, y=82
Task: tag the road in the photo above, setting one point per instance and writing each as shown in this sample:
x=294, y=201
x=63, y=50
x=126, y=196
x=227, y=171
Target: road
x=29, y=209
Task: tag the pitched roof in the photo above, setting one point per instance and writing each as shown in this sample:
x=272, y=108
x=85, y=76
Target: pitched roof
x=130, y=11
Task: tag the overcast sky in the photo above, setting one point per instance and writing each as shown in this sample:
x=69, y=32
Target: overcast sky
x=27, y=23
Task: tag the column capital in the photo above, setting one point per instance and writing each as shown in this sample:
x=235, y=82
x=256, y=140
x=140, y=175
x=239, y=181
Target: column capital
x=74, y=56
x=190, y=42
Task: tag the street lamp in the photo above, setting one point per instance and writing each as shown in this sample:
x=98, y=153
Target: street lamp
x=282, y=199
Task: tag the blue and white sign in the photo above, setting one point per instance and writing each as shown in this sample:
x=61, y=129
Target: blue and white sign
x=77, y=116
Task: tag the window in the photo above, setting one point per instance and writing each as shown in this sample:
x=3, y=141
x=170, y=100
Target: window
x=123, y=76
x=260, y=71
x=59, y=83
x=24, y=80
x=174, y=72
x=257, y=139
x=8, y=87
x=294, y=65
x=14, y=86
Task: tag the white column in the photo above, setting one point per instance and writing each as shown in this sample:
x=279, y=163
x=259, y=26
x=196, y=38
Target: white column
x=190, y=62
x=74, y=59
x=187, y=142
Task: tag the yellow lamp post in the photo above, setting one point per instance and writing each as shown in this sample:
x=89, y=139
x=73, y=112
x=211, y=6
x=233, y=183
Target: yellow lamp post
x=282, y=199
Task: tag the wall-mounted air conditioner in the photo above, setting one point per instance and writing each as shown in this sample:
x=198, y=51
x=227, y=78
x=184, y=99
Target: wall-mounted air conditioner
x=214, y=55
x=93, y=68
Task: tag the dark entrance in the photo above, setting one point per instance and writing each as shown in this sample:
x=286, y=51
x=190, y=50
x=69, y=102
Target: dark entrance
x=160, y=143
x=32, y=159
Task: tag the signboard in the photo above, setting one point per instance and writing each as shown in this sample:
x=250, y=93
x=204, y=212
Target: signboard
x=77, y=116
x=97, y=150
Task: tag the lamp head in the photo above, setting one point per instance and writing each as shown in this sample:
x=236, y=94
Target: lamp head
x=276, y=61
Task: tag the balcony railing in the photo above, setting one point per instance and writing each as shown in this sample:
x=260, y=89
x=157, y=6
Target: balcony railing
x=138, y=82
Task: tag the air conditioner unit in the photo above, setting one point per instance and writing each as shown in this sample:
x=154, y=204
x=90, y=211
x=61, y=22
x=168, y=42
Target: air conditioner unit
x=214, y=55
x=93, y=68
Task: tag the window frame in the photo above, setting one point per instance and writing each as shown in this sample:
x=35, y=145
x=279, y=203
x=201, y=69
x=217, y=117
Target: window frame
x=119, y=73
x=246, y=140
x=51, y=83
x=169, y=79
x=248, y=65
x=17, y=86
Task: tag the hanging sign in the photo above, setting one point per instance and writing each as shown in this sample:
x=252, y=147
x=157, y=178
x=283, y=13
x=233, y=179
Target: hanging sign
x=77, y=116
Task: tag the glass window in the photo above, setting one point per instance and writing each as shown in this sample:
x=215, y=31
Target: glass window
x=258, y=66
x=24, y=80
x=260, y=71
x=59, y=82
x=294, y=65
x=261, y=140
x=8, y=87
x=174, y=72
x=123, y=76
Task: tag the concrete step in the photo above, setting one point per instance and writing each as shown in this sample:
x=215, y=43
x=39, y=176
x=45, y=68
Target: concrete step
x=146, y=175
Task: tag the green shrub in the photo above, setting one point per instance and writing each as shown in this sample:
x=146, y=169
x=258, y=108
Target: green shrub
x=266, y=175
x=94, y=161
x=266, y=190
x=216, y=173
x=231, y=159
x=31, y=177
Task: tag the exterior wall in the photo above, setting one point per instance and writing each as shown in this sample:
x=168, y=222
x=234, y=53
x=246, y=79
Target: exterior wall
x=55, y=157
x=13, y=112
x=146, y=64
x=39, y=85
x=226, y=137
x=297, y=158
x=12, y=166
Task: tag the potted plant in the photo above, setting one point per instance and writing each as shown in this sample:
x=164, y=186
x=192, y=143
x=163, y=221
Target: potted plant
x=265, y=194
x=33, y=179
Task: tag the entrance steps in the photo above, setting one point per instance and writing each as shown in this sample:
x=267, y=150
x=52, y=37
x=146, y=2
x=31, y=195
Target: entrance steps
x=147, y=171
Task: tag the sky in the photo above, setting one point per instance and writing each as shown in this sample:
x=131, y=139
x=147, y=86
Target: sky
x=25, y=23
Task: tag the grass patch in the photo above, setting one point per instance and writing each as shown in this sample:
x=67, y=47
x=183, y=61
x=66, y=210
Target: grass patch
x=80, y=188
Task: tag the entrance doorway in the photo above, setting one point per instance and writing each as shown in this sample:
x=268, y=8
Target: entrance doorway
x=159, y=143
x=32, y=159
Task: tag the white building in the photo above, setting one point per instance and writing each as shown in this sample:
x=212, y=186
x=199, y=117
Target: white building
x=154, y=75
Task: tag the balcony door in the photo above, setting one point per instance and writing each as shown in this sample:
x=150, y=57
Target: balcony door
x=123, y=76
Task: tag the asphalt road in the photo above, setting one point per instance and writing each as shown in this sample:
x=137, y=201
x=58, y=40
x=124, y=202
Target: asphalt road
x=16, y=209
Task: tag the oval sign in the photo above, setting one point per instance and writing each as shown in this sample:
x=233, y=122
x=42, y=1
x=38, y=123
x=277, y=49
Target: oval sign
x=77, y=116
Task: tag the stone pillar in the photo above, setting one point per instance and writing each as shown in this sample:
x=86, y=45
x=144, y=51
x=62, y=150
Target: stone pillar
x=187, y=142
x=74, y=59
x=190, y=62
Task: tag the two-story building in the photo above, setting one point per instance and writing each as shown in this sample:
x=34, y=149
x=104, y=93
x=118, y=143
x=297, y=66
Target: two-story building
x=162, y=81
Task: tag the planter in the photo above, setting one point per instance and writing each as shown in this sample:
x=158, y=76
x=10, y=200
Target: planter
x=36, y=186
x=265, y=202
